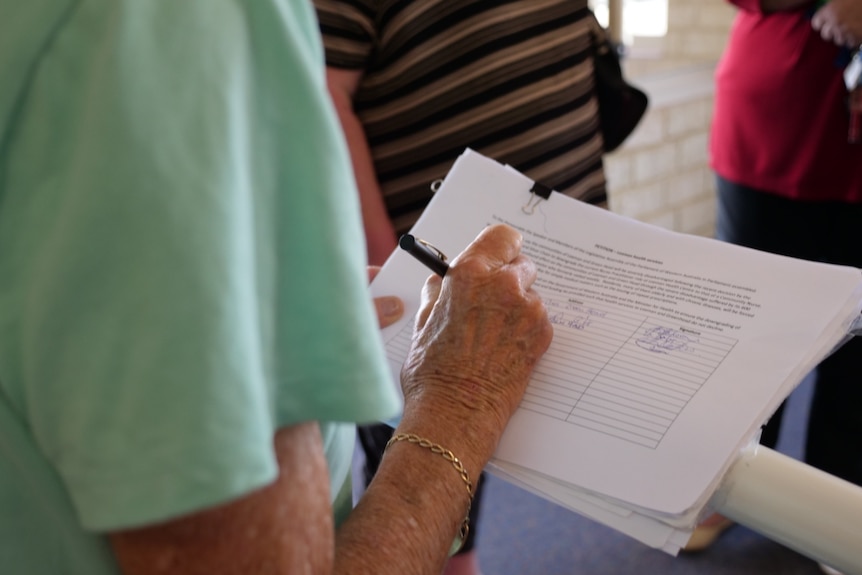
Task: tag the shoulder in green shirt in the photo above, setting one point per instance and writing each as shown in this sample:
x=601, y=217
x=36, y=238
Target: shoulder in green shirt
x=181, y=266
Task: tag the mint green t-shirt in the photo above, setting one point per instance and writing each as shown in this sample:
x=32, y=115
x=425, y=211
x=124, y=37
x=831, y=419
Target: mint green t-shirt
x=182, y=266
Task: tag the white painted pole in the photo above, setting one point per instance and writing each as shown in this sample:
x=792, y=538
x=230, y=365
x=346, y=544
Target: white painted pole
x=807, y=510
x=615, y=20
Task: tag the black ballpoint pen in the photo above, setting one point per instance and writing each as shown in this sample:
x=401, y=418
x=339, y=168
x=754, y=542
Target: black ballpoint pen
x=425, y=253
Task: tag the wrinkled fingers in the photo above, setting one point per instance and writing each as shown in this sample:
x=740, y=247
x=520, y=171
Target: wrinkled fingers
x=496, y=246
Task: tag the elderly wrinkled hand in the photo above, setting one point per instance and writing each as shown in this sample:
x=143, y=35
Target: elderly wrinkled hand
x=840, y=21
x=479, y=334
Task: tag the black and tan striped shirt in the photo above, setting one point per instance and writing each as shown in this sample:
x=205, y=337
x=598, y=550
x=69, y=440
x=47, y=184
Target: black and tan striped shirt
x=511, y=79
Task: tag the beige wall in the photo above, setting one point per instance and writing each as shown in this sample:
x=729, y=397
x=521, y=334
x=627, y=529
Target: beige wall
x=661, y=173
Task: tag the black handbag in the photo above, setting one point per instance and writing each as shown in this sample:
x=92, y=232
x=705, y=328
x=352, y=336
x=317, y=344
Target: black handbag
x=621, y=105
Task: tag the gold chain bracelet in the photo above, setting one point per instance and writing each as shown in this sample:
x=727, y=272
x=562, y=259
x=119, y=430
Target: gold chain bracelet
x=459, y=467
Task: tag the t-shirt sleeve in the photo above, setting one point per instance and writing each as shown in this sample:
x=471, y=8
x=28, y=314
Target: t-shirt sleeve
x=142, y=320
x=348, y=29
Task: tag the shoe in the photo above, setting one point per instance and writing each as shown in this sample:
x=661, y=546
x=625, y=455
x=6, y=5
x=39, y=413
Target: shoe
x=829, y=570
x=706, y=533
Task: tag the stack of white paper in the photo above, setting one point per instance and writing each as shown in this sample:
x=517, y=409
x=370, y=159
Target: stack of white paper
x=669, y=351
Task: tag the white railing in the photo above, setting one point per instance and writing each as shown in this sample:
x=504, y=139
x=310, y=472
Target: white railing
x=794, y=504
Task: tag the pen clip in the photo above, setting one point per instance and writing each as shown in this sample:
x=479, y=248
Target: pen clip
x=426, y=253
x=431, y=247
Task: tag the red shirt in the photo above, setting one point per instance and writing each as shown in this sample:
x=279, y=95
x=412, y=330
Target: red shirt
x=780, y=120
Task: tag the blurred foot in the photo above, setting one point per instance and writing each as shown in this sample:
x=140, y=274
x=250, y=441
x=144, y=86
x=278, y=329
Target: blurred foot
x=706, y=533
x=463, y=564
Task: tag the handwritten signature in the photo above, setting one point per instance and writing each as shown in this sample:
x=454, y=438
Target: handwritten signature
x=568, y=306
x=580, y=322
x=664, y=340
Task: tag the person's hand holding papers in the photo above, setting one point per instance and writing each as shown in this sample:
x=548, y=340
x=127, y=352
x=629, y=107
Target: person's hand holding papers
x=502, y=330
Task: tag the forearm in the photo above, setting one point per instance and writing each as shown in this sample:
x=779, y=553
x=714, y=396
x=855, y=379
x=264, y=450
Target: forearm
x=409, y=515
x=414, y=507
x=405, y=523
x=285, y=527
x=379, y=233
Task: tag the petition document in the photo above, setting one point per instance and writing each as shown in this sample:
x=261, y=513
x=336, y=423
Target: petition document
x=669, y=350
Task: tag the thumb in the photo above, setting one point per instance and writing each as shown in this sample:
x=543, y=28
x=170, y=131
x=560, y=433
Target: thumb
x=390, y=308
x=430, y=293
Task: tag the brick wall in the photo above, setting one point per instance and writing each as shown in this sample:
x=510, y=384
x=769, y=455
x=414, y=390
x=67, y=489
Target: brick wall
x=661, y=175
